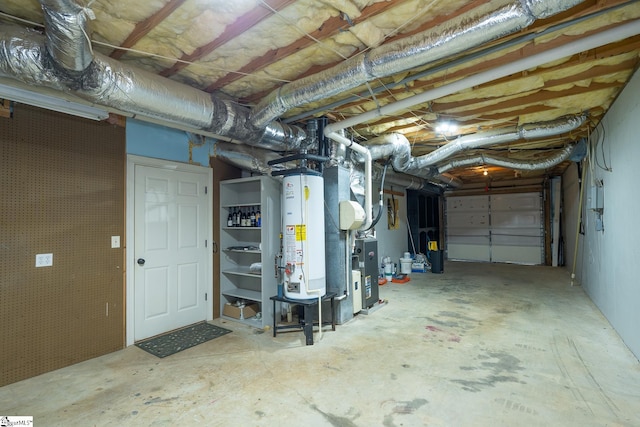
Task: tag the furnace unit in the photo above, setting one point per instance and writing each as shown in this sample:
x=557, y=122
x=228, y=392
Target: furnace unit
x=366, y=251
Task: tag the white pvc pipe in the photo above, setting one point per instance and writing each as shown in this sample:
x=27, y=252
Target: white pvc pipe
x=334, y=135
x=623, y=31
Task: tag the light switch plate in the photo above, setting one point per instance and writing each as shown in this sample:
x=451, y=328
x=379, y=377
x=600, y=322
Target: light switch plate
x=44, y=260
x=115, y=242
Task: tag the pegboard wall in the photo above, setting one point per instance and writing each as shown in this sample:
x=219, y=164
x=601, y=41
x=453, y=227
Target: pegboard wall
x=62, y=182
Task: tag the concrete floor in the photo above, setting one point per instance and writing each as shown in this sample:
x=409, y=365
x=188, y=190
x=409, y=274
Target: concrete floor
x=480, y=345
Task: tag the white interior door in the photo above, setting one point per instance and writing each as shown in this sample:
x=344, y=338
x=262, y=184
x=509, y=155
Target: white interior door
x=171, y=255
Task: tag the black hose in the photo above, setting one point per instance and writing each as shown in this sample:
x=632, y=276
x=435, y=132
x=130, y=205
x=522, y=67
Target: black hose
x=384, y=173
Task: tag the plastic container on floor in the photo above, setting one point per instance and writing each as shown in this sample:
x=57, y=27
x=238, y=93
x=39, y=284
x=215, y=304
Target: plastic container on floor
x=437, y=261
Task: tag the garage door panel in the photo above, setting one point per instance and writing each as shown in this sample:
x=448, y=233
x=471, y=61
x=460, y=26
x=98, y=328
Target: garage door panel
x=468, y=252
x=515, y=240
x=498, y=228
x=515, y=220
x=515, y=202
x=468, y=203
x=516, y=254
x=469, y=219
x=469, y=239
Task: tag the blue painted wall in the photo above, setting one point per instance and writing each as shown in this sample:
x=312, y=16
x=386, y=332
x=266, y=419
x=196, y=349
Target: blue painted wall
x=151, y=140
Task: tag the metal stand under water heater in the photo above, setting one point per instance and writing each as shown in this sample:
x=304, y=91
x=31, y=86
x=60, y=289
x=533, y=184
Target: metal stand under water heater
x=366, y=251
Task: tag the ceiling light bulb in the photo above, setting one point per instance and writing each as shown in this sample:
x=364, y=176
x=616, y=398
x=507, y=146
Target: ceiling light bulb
x=446, y=127
x=485, y=173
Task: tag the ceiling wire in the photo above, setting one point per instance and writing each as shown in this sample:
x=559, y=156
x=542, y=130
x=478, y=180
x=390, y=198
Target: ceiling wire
x=149, y=54
x=600, y=139
x=25, y=21
x=386, y=36
x=303, y=32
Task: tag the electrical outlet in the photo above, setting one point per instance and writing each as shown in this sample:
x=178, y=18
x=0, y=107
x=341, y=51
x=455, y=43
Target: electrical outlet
x=44, y=260
x=115, y=242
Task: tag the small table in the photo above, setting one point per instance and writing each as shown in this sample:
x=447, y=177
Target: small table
x=308, y=324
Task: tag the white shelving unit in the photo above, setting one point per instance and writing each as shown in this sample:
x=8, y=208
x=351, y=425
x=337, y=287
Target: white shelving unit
x=244, y=246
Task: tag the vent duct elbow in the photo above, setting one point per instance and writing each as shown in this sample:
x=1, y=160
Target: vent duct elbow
x=67, y=41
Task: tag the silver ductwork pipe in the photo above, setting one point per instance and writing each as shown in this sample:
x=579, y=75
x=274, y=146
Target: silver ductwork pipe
x=448, y=180
x=406, y=182
x=480, y=26
x=249, y=158
x=394, y=145
x=25, y=56
x=66, y=41
x=484, y=139
x=397, y=146
x=485, y=159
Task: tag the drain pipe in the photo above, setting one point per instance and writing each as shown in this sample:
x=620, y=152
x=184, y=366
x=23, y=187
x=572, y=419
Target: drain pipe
x=337, y=137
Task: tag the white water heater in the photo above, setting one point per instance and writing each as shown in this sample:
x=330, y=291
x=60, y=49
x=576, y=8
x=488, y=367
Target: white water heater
x=303, y=236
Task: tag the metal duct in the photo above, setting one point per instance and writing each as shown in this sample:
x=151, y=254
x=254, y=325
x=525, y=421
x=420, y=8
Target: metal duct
x=248, y=158
x=466, y=32
x=484, y=139
x=397, y=146
x=448, y=180
x=407, y=182
x=107, y=82
x=484, y=159
x=67, y=41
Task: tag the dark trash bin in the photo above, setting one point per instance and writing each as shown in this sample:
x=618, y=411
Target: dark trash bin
x=437, y=261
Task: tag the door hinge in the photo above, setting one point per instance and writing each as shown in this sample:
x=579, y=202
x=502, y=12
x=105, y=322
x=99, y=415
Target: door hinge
x=205, y=189
x=205, y=243
x=205, y=296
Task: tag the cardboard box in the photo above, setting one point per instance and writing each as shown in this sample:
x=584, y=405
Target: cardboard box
x=243, y=312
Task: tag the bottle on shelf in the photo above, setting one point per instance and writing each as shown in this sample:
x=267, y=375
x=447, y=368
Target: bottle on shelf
x=252, y=217
x=258, y=218
x=236, y=220
x=243, y=219
x=230, y=219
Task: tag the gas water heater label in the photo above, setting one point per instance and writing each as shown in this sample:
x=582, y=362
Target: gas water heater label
x=290, y=246
x=301, y=232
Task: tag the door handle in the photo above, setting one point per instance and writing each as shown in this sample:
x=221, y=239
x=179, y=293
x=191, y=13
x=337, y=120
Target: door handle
x=141, y=261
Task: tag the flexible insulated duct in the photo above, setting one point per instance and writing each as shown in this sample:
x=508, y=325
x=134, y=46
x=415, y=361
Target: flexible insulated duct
x=394, y=145
x=249, y=158
x=485, y=159
x=484, y=139
x=107, y=82
x=473, y=29
x=67, y=43
x=408, y=182
x=397, y=147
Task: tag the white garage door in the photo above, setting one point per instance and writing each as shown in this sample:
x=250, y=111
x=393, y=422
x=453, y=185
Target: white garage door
x=496, y=228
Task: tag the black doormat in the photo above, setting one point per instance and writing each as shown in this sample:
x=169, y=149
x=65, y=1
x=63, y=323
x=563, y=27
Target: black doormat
x=182, y=339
